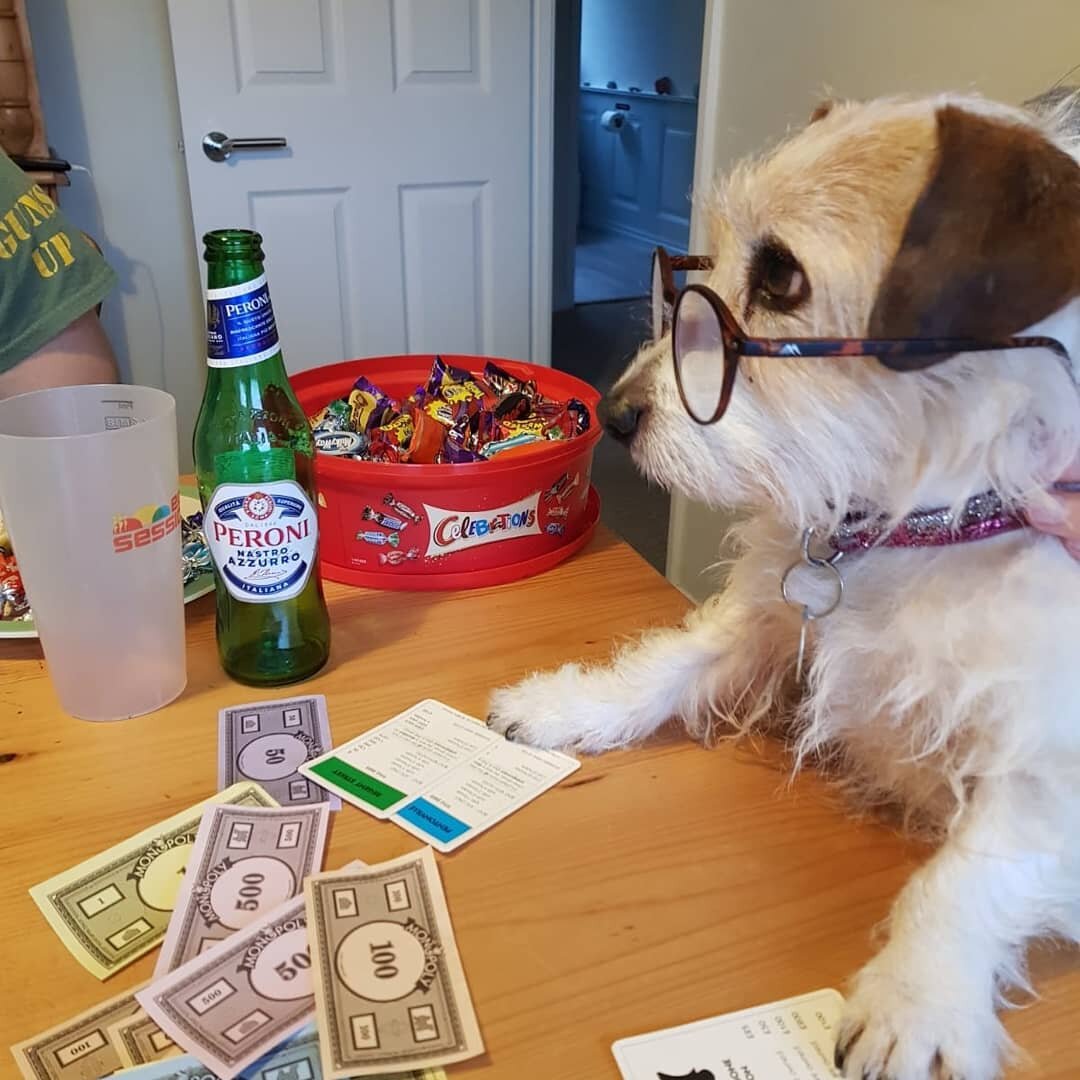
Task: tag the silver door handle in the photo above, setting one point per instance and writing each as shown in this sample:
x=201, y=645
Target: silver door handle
x=217, y=146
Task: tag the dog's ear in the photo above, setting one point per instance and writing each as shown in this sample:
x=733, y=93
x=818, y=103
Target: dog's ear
x=822, y=109
x=992, y=245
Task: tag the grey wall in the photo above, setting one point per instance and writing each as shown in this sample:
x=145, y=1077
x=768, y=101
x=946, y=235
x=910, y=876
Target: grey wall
x=110, y=104
x=634, y=42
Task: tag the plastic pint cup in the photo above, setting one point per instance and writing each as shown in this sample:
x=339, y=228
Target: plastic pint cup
x=88, y=491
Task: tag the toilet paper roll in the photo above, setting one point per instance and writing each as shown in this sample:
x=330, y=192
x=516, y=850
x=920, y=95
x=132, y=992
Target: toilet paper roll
x=612, y=119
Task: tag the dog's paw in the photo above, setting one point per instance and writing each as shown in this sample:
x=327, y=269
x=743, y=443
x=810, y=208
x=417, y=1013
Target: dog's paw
x=563, y=709
x=898, y=1029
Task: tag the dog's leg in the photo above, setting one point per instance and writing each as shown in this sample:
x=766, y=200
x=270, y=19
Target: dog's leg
x=924, y=1007
x=724, y=646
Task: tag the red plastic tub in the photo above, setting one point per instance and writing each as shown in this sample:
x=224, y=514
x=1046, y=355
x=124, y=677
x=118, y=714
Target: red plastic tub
x=451, y=526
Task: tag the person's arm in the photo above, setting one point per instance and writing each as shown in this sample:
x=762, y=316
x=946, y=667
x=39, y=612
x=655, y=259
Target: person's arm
x=1066, y=524
x=79, y=354
x=51, y=280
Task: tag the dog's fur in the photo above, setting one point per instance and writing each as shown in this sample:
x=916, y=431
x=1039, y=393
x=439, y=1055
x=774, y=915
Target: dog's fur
x=946, y=684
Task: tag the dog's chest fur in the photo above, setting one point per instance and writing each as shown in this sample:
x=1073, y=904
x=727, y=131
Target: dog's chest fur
x=941, y=666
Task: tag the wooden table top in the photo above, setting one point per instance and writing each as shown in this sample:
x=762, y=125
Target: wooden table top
x=655, y=886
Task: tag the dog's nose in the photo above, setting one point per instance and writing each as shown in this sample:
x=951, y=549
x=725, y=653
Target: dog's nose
x=619, y=417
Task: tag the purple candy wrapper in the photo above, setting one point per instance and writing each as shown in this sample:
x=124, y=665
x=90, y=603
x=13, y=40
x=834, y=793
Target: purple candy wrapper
x=371, y=408
x=452, y=384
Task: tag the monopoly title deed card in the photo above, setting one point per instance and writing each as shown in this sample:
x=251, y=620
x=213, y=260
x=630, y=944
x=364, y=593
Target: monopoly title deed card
x=440, y=774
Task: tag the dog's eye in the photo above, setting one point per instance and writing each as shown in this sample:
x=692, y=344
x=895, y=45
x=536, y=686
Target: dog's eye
x=777, y=280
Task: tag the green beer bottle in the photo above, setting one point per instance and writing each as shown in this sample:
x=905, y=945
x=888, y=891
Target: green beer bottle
x=255, y=462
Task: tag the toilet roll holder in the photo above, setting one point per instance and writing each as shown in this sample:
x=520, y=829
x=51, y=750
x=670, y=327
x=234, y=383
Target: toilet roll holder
x=614, y=119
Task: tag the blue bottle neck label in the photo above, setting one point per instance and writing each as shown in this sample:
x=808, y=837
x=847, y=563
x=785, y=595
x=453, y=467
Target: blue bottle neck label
x=240, y=327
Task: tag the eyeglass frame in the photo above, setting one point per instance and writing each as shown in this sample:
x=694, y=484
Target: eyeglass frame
x=737, y=344
x=669, y=264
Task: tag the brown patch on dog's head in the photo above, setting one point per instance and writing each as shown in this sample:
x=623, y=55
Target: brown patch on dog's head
x=836, y=196
x=992, y=245
x=821, y=110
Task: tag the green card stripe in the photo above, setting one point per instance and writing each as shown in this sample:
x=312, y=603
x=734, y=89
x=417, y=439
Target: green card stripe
x=356, y=783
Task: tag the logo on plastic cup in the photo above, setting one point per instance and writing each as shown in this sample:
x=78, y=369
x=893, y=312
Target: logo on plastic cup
x=146, y=526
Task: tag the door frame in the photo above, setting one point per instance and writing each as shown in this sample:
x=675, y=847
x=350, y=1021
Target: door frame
x=707, y=135
x=679, y=569
x=541, y=201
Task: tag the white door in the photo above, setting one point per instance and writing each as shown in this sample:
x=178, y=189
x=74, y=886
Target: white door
x=410, y=209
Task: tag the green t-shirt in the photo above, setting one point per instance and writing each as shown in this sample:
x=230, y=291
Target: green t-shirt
x=49, y=273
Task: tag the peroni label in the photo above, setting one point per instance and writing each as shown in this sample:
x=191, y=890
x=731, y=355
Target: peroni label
x=240, y=327
x=262, y=539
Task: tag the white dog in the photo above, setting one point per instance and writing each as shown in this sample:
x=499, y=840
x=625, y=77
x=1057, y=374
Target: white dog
x=946, y=682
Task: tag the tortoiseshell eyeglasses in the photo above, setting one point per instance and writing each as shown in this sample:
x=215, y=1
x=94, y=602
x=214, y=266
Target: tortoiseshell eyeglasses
x=707, y=344
x=663, y=291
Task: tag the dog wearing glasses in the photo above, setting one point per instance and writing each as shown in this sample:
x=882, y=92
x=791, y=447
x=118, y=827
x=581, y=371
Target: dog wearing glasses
x=945, y=684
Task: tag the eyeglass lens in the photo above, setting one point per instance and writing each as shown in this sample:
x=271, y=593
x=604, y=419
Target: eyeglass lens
x=698, y=348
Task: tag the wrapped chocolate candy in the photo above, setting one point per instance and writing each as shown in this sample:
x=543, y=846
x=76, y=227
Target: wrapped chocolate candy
x=333, y=417
x=580, y=412
x=428, y=437
x=513, y=406
x=387, y=453
x=513, y=442
x=194, y=553
x=442, y=411
x=500, y=382
x=452, y=384
x=13, y=602
x=397, y=432
x=570, y=418
x=468, y=437
x=390, y=442
x=342, y=443
x=454, y=418
x=369, y=407
x=455, y=454
x=535, y=426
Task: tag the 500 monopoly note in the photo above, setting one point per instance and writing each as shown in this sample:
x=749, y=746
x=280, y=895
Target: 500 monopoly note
x=245, y=862
x=233, y=1003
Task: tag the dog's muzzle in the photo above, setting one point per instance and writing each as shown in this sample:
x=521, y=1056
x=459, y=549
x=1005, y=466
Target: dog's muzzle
x=619, y=416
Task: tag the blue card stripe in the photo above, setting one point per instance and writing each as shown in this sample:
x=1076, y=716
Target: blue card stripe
x=432, y=820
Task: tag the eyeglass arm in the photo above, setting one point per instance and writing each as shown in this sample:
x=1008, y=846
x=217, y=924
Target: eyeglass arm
x=891, y=347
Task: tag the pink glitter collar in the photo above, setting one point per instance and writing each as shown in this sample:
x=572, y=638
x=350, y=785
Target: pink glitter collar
x=984, y=515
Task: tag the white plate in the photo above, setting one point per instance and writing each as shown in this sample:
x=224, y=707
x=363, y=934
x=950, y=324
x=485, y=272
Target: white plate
x=189, y=504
